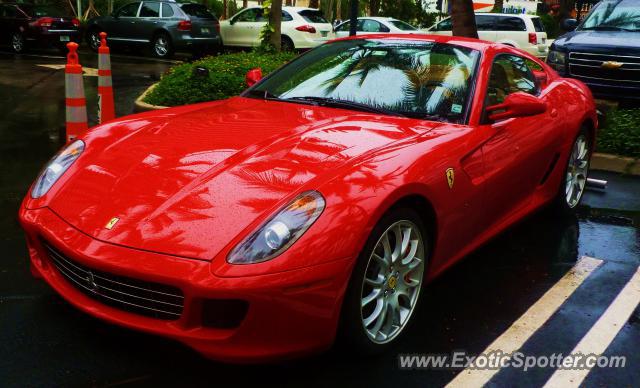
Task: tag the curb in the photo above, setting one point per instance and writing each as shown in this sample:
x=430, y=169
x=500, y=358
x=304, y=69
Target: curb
x=615, y=163
x=140, y=106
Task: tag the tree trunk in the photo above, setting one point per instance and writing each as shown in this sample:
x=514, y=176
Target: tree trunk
x=314, y=4
x=463, y=19
x=275, y=19
x=353, y=17
x=289, y=3
x=224, y=10
x=245, y=3
x=497, y=6
x=374, y=7
x=339, y=10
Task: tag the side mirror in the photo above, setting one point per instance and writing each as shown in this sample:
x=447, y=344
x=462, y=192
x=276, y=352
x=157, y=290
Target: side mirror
x=232, y=21
x=518, y=104
x=541, y=77
x=253, y=76
x=569, y=24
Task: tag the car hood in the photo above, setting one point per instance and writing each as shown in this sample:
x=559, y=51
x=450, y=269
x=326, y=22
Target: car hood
x=187, y=181
x=605, y=42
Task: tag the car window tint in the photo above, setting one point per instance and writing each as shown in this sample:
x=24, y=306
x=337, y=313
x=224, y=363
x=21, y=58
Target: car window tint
x=250, y=15
x=509, y=74
x=369, y=25
x=313, y=16
x=537, y=24
x=167, y=10
x=444, y=25
x=485, y=23
x=286, y=16
x=510, y=24
x=399, y=24
x=197, y=10
x=129, y=10
x=150, y=10
x=344, y=27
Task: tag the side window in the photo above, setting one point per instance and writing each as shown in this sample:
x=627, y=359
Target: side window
x=485, y=23
x=150, y=10
x=250, y=15
x=286, y=17
x=509, y=74
x=344, y=27
x=510, y=24
x=370, y=26
x=129, y=10
x=167, y=10
x=444, y=25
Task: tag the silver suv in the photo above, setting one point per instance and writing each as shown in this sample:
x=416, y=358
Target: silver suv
x=165, y=26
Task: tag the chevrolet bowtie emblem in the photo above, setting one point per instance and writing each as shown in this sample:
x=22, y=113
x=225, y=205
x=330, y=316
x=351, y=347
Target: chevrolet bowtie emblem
x=611, y=65
x=112, y=222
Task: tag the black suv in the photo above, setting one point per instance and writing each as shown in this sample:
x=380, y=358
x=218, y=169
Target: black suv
x=27, y=25
x=603, y=51
x=165, y=26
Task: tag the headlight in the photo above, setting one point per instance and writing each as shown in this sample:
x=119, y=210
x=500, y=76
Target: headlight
x=280, y=231
x=56, y=167
x=557, y=60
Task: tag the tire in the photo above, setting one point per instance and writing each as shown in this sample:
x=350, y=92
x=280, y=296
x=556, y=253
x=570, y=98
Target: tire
x=286, y=44
x=18, y=43
x=360, y=330
x=161, y=45
x=576, y=173
x=93, y=39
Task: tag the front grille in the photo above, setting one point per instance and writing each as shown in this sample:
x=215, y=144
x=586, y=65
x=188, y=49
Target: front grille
x=150, y=299
x=588, y=66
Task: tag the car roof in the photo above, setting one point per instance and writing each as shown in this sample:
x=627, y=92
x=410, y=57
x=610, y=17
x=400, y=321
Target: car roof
x=471, y=43
x=520, y=15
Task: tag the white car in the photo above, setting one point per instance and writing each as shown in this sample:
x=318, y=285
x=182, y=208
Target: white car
x=301, y=28
x=377, y=25
x=525, y=32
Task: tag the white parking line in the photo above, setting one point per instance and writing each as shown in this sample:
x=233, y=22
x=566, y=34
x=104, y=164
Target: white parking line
x=602, y=333
x=522, y=329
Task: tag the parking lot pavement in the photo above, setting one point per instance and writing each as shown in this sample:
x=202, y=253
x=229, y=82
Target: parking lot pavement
x=532, y=274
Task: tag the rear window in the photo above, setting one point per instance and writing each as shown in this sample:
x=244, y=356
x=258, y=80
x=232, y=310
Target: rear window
x=537, y=24
x=510, y=24
x=399, y=24
x=43, y=10
x=313, y=16
x=197, y=10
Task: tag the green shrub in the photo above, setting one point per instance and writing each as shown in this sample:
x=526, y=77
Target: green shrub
x=551, y=25
x=620, y=133
x=225, y=79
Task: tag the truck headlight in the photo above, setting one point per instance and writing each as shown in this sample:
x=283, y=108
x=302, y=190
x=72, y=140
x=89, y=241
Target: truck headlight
x=56, y=168
x=556, y=59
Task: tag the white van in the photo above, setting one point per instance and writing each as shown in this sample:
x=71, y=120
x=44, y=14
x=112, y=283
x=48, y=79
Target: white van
x=522, y=31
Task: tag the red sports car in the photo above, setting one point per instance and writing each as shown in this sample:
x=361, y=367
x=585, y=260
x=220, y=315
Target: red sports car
x=318, y=203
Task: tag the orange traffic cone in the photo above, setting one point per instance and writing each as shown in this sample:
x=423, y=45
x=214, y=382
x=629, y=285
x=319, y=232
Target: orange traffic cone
x=106, y=109
x=74, y=90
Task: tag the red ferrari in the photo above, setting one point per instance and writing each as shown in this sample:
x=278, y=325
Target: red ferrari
x=315, y=205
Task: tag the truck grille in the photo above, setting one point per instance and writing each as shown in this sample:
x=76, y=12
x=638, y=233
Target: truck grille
x=150, y=299
x=589, y=67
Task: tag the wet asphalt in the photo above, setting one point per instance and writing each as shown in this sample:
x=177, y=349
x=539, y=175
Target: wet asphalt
x=46, y=342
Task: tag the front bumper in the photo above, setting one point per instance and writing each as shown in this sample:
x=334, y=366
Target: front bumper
x=289, y=314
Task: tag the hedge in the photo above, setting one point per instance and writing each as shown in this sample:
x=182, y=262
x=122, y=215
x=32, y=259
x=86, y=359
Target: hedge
x=620, y=133
x=182, y=85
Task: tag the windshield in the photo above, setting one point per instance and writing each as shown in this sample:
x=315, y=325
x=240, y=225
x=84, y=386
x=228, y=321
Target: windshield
x=407, y=78
x=399, y=24
x=621, y=15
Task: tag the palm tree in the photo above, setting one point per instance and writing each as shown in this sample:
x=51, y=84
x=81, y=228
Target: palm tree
x=463, y=19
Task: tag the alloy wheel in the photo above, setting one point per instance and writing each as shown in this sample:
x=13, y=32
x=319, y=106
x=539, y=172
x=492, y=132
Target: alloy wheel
x=94, y=40
x=161, y=46
x=17, y=42
x=577, y=171
x=392, y=281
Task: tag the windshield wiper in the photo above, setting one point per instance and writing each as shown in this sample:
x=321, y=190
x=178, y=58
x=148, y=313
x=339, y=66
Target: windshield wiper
x=264, y=94
x=337, y=103
x=609, y=28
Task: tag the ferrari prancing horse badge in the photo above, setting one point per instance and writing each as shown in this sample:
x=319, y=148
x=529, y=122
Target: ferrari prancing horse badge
x=450, y=177
x=112, y=223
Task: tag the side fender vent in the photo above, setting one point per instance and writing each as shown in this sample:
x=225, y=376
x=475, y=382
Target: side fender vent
x=556, y=157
